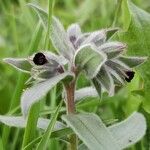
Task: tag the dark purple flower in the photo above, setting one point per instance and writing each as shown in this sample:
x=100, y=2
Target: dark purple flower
x=130, y=75
x=39, y=59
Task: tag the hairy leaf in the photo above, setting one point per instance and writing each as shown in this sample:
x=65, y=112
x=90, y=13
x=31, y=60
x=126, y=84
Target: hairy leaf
x=60, y=39
x=85, y=92
x=89, y=59
x=20, y=122
x=21, y=64
x=36, y=92
x=129, y=131
x=91, y=131
x=133, y=61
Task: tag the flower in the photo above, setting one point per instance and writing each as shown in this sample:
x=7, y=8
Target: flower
x=117, y=68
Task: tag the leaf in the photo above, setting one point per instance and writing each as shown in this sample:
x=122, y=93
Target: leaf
x=91, y=131
x=106, y=80
x=1, y=144
x=85, y=92
x=20, y=122
x=97, y=86
x=89, y=59
x=43, y=124
x=82, y=147
x=31, y=124
x=132, y=61
x=36, y=92
x=112, y=49
x=137, y=36
x=58, y=35
x=97, y=38
x=42, y=14
x=129, y=131
x=45, y=138
x=110, y=32
x=14, y=121
x=117, y=75
x=58, y=58
x=60, y=39
x=21, y=64
x=126, y=132
x=55, y=134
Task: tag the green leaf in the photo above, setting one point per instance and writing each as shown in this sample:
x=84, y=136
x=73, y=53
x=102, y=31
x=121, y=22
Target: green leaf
x=31, y=124
x=110, y=32
x=112, y=49
x=21, y=64
x=89, y=59
x=85, y=92
x=58, y=34
x=39, y=90
x=106, y=80
x=129, y=131
x=97, y=86
x=126, y=133
x=55, y=134
x=137, y=23
x=91, y=131
x=132, y=61
x=42, y=14
x=43, y=143
x=60, y=39
x=21, y=122
x=1, y=144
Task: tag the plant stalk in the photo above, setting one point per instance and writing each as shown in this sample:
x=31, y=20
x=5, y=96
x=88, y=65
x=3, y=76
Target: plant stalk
x=70, y=90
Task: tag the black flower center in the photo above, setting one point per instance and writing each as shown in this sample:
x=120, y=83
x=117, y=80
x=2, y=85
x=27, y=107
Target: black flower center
x=130, y=75
x=39, y=59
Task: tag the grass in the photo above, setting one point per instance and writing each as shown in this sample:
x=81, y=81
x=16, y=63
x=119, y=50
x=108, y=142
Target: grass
x=21, y=35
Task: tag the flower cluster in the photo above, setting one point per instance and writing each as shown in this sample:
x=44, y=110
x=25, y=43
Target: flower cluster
x=94, y=53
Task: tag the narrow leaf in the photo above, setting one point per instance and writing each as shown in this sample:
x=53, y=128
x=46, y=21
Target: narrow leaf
x=112, y=49
x=42, y=14
x=43, y=143
x=21, y=64
x=31, y=124
x=20, y=122
x=60, y=40
x=85, y=92
x=89, y=59
x=110, y=32
x=106, y=80
x=97, y=86
x=133, y=61
x=14, y=121
x=35, y=93
x=97, y=37
x=57, y=34
x=55, y=134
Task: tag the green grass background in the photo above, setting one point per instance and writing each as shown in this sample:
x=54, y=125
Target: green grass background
x=21, y=35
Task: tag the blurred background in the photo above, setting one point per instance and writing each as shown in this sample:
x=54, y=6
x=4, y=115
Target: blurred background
x=21, y=35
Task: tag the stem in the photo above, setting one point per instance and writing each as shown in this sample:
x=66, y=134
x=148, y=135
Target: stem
x=70, y=98
x=70, y=89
